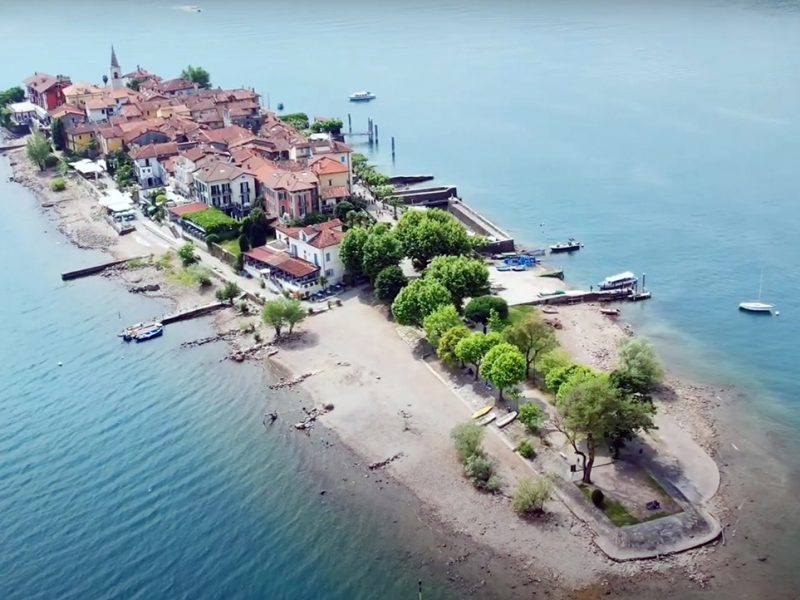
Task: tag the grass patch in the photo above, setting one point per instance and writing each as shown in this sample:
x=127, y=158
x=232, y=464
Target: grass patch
x=613, y=509
x=517, y=313
x=191, y=276
x=137, y=263
x=165, y=260
x=232, y=246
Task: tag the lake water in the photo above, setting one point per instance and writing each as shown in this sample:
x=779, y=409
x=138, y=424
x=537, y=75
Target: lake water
x=665, y=136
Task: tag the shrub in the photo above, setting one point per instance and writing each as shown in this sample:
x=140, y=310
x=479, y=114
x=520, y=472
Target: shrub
x=531, y=415
x=598, y=498
x=58, y=185
x=467, y=438
x=203, y=280
x=526, y=450
x=214, y=221
x=530, y=496
x=389, y=282
x=480, y=471
x=51, y=161
x=187, y=255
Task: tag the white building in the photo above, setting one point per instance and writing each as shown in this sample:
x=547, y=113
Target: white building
x=148, y=163
x=225, y=186
x=317, y=245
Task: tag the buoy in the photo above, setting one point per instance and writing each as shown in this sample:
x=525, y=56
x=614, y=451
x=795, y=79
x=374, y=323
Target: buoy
x=60, y=364
x=777, y=313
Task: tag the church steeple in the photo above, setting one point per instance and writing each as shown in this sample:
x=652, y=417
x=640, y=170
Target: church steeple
x=115, y=72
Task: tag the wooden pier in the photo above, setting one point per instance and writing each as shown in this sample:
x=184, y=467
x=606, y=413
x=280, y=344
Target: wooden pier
x=86, y=271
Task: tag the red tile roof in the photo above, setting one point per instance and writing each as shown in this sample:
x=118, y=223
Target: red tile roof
x=338, y=191
x=321, y=235
x=219, y=171
x=66, y=109
x=282, y=261
x=325, y=165
x=41, y=82
x=175, y=85
x=188, y=209
x=154, y=151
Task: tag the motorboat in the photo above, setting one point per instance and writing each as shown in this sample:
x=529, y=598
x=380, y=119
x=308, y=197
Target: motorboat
x=149, y=333
x=362, y=97
x=129, y=333
x=610, y=312
x=619, y=281
x=571, y=245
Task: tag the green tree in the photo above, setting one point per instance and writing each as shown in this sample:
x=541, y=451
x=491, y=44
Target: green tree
x=431, y=233
x=381, y=249
x=463, y=277
x=532, y=416
x=256, y=226
x=38, y=149
x=244, y=243
x=446, y=351
x=560, y=375
x=419, y=299
x=468, y=440
x=503, y=366
x=592, y=411
x=530, y=496
x=479, y=309
x=197, y=75
x=13, y=94
x=187, y=255
x=549, y=361
x=639, y=363
x=281, y=313
x=343, y=209
x=440, y=321
x=389, y=282
x=351, y=250
x=229, y=292
x=58, y=134
x=474, y=347
x=496, y=322
x=533, y=337
x=577, y=375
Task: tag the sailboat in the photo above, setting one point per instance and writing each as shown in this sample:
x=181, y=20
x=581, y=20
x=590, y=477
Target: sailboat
x=758, y=306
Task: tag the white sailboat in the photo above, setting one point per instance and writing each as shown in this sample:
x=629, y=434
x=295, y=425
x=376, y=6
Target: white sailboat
x=758, y=306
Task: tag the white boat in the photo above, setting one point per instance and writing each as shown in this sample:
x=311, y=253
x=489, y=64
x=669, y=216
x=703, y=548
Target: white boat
x=757, y=306
x=506, y=419
x=362, y=97
x=622, y=280
x=487, y=419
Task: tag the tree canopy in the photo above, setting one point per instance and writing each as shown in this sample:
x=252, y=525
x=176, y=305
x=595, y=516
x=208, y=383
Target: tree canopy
x=58, y=134
x=639, y=364
x=281, y=313
x=503, y=366
x=389, y=282
x=381, y=249
x=419, y=299
x=342, y=209
x=351, y=250
x=12, y=94
x=197, y=75
x=592, y=410
x=463, y=277
x=479, y=309
x=474, y=347
x=229, y=292
x=532, y=337
x=441, y=320
x=431, y=233
x=256, y=227
x=446, y=351
x=38, y=149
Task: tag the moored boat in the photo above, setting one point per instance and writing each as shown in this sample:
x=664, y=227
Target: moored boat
x=362, y=96
x=626, y=279
x=571, y=245
x=551, y=294
x=148, y=333
x=610, y=312
x=556, y=273
x=487, y=419
x=129, y=333
x=756, y=307
x=506, y=419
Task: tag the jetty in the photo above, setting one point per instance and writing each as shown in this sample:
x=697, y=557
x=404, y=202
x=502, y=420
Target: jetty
x=12, y=145
x=94, y=270
x=193, y=313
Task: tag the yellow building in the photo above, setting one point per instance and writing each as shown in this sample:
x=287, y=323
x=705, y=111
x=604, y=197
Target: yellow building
x=81, y=137
x=78, y=94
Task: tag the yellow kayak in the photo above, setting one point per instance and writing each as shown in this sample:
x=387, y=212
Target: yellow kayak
x=482, y=411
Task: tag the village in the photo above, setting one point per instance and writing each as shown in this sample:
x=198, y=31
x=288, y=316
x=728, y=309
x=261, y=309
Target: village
x=285, y=211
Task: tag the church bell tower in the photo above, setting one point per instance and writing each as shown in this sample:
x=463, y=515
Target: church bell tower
x=115, y=73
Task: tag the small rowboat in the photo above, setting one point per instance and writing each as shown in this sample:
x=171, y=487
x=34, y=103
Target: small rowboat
x=487, y=419
x=610, y=312
x=506, y=419
x=503, y=268
x=482, y=411
x=557, y=273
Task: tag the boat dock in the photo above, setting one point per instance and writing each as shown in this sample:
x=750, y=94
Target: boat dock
x=192, y=313
x=86, y=271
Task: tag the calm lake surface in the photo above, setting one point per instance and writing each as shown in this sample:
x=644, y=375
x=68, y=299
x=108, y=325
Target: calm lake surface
x=665, y=136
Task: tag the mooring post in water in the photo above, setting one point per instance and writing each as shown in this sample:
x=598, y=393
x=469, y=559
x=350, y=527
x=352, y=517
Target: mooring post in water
x=392, y=148
x=369, y=131
x=376, y=135
x=419, y=587
x=349, y=123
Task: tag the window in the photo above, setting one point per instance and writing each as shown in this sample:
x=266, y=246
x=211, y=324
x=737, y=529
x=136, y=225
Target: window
x=146, y=162
x=215, y=190
x=329, y=273
x=328, y=256
x=330, y=182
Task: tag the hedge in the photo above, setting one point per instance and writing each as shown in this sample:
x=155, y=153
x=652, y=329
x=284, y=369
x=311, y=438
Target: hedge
x=215, y=222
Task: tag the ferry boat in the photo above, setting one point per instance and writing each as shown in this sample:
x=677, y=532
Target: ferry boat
x=149, y=333
x=571, y=245
x=362, y=97
x=619, y=281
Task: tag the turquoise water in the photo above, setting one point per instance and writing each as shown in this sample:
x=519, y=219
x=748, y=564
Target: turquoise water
x=666, y=137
